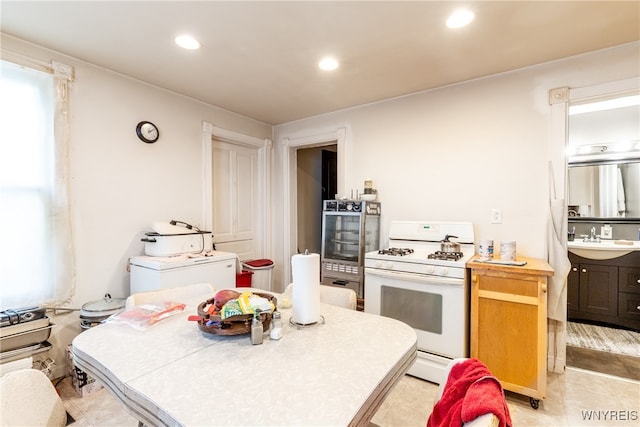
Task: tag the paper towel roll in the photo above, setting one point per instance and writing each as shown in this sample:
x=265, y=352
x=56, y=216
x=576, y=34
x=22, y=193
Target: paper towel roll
x=305, y=269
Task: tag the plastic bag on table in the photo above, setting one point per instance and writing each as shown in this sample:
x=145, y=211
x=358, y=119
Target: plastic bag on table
x=143, y=316
x=249, y=303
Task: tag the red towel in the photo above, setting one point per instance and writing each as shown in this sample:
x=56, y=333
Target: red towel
x=471, y=391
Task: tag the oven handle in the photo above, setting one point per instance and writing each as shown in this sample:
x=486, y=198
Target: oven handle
x=420, y=278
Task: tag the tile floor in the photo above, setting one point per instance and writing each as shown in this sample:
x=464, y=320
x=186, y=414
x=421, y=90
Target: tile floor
x=570, y=397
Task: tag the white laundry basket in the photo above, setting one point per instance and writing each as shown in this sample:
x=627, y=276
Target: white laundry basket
x=262, y=270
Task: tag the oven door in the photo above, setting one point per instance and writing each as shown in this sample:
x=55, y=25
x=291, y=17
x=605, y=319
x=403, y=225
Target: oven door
x=435, y=307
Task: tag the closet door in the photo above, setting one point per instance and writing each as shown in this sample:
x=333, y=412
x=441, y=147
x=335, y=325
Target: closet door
x=235, y=199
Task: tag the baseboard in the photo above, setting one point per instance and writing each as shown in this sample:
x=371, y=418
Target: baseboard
x=560, y=364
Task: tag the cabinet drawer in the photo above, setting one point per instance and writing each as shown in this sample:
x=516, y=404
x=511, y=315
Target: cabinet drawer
x=629, y=280
x=629, y=306
x=513, y=285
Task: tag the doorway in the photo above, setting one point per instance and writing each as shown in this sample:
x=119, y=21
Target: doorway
x=316, y=178
x=236, y=169
x=291, y=147
x=601, y=122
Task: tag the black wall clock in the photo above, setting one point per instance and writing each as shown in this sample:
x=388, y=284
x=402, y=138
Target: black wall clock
x=147, y=132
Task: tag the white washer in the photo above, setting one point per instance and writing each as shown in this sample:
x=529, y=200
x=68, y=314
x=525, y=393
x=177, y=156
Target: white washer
x=150, y=273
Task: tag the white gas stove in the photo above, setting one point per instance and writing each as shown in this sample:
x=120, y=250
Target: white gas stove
x=420, y=282
x=415, y=247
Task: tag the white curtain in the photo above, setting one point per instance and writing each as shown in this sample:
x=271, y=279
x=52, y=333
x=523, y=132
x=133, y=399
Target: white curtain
x=36, y=255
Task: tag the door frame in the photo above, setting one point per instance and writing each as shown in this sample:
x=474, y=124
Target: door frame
x=559, y=100
x=264, y=146
x=290, y=147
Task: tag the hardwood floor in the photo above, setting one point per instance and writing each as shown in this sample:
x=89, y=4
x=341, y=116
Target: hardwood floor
x=619, y=365
x=611, y=363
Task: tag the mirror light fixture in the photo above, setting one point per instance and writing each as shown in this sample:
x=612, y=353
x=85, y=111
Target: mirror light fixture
x=328, y=63
x=609, y=152
x=185, y=41
x=460, y=18
x=610, y=104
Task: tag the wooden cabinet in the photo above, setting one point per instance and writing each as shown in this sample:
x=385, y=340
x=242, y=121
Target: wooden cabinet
x=509, y=323
x=629, y=296
x=573, y=288
x=598, y=289
x=605, y=290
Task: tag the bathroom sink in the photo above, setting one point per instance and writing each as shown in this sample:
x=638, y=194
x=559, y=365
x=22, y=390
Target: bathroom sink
x=604, y=249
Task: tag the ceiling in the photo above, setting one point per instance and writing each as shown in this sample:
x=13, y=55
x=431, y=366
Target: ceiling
x=259, y=59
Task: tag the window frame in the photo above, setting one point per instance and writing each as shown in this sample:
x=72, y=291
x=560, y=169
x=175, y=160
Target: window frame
x=56, y=208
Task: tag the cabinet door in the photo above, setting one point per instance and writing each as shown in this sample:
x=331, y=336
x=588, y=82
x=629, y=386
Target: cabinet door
x=599, y=289
x=508, y=329
x=573, y=288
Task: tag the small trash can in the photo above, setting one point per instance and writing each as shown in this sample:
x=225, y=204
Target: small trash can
x=261, y=269
x=243, y=279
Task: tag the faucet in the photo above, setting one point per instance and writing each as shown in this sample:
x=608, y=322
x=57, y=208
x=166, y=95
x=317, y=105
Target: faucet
x=593, y=238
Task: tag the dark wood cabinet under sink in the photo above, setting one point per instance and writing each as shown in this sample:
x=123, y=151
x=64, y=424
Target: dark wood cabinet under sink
x=605, y=290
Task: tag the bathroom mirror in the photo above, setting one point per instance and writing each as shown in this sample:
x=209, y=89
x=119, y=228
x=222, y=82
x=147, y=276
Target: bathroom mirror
x=604, y=191
x=604, y=158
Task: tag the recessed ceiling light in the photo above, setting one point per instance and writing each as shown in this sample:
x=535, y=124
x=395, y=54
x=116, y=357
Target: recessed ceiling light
x=187, y=42
x=460, y=18
x=328, y=64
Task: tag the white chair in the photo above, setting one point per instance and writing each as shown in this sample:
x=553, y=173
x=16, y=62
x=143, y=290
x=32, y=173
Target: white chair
x=29, y=399
x=486, y=420
x=342, y=297
x=178, y=294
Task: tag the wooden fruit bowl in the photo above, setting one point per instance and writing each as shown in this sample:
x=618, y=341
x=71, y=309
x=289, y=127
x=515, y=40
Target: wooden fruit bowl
x=234, y=325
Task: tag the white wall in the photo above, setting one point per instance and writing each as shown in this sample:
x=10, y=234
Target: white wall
x=457, y=152
x=489, y=138
x=119, y=185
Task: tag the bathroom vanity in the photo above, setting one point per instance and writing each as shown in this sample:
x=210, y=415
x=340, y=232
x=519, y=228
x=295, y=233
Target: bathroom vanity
x=604, y=283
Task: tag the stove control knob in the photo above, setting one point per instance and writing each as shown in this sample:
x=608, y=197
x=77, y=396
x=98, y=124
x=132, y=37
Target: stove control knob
x=444, y=271
x=384, y=264
x=430, y=269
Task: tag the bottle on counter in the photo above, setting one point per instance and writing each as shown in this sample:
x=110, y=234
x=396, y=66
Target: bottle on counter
x=256, y=328
x=276, y=326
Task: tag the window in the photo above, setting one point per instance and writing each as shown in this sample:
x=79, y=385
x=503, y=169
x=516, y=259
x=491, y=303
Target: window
x=36, y=263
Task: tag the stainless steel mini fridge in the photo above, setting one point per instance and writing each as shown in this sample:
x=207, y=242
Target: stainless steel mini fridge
x=350, y=228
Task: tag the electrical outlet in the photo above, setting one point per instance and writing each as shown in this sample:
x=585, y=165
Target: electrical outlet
x=496, y=216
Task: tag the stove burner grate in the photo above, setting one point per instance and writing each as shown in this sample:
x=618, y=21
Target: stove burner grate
x=396, y=251
x=448, y=256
